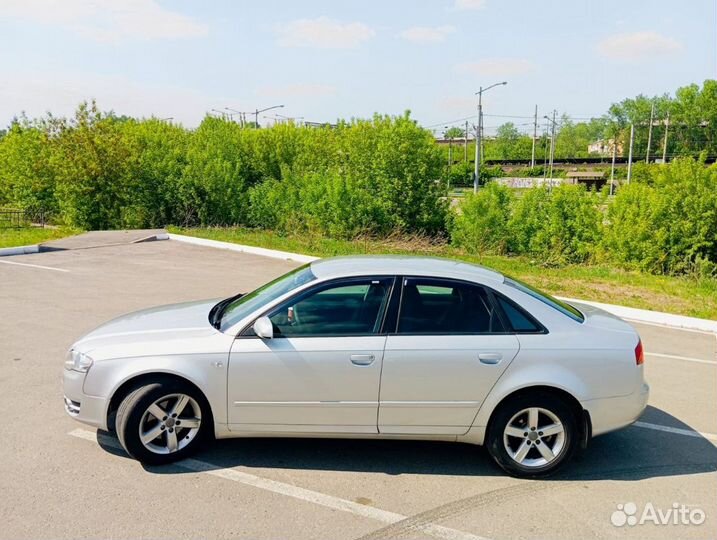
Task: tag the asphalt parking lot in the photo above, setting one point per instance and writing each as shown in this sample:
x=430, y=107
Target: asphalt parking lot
x=63, y=480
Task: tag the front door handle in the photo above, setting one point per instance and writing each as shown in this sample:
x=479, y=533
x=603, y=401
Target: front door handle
x=362, y=359
x=490, y=358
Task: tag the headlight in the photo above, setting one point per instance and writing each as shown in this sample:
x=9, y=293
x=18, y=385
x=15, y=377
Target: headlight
x=77, y=361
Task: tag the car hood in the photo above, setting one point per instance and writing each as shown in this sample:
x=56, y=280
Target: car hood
x=162, y=324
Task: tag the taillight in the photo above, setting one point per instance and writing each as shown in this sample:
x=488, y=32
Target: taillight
x=639, y=353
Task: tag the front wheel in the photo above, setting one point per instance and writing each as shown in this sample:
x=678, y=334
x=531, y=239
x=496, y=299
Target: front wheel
x=533, y=435
x=162, y=422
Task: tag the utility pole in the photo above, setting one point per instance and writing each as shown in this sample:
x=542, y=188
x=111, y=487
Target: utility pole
x=535, y=135
x=552, y=146
x=612, y=168
x=479, y=133
x=649, y=134
x=629, y=158
x=450, y=151
x=465, y=144
x=545, y=151
x=479, y=128
x=664, y=145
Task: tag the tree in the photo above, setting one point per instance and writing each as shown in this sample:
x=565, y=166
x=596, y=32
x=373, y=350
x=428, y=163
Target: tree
x=94, y=169
x=454, y=133
x=508, y=143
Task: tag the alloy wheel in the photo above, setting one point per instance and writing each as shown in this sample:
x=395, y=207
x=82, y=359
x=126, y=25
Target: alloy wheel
x=170, y=423
x=534, y=437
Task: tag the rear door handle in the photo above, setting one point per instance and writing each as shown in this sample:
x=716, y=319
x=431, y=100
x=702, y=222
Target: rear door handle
x=490, y=358
x=362, y=359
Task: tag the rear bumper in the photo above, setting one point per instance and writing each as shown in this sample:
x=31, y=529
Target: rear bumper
x=89, y=410
x=609, y=414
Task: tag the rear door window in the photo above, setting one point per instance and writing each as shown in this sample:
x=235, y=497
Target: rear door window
x=437, y=306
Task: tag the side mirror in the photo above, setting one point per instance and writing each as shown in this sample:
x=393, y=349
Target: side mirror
x=264, y=328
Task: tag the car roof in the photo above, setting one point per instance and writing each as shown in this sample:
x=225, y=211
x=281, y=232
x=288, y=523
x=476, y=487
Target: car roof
x=407, y=265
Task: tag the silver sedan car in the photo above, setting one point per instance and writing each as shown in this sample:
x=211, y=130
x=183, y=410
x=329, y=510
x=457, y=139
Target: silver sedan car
x=370, y=347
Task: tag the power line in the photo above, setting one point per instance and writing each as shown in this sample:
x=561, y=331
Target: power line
x=440, y=124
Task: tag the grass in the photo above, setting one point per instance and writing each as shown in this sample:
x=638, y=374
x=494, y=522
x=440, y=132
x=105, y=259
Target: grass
x=600, y=283
x=29, y=236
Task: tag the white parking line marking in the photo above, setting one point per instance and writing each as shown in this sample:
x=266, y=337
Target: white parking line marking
x=328, y=501
x=677, y=431
x=35, y=266
x=685, y=358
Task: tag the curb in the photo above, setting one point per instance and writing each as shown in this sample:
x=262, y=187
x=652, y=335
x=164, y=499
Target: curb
x=653, y=317
x=19, y=250
x=151, y=238
x=632, y=314
x=273, y=253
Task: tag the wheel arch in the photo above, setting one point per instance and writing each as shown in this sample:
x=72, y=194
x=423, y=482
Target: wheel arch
x=582, y=417
x=141, y=379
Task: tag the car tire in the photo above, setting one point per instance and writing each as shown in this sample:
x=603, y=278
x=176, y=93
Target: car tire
x=532, y=435
x=163, y=422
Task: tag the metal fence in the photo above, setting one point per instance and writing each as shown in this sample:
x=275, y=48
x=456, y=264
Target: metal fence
x=22, y=219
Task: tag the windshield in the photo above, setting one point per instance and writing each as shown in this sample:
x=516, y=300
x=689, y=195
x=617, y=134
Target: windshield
x=244, y=306
x=562, y=307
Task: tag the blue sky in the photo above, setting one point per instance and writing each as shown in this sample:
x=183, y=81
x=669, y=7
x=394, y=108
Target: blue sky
x=327, y=59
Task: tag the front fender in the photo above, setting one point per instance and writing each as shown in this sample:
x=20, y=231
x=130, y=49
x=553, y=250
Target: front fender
x=207, y=371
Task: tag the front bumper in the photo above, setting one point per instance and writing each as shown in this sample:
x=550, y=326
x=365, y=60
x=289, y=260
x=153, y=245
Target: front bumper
x=87, y=409
x=609, y=414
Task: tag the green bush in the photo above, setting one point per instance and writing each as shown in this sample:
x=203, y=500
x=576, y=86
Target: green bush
x=559, y=226
x=399, y=163
x=481, y=223
x=328, y=203
x=27, y=180
x=667, y=225
x=159, y=152
x=458, y=175
x=94, y=170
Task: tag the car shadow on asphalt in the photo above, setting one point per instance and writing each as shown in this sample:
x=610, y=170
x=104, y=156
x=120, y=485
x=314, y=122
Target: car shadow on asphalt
x=635, y=453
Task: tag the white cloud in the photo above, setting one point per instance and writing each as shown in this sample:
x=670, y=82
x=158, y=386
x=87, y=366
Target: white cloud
x=427, y=34
x=464, y=5
x=637, y=46
x=496, y=67
x=303, y=90
x=105, y=20
x=61, y=92
x=323, y=33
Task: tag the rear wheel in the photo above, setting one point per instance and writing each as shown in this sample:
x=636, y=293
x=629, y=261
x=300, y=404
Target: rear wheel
x=533, y=435
x=162, y=422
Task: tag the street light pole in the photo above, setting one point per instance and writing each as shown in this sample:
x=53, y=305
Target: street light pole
x=479, y=132
x=240, y=113
x=224, y=115
x=257, y=111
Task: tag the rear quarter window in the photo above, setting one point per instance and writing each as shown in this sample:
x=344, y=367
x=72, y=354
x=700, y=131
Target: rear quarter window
x=519, y=320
